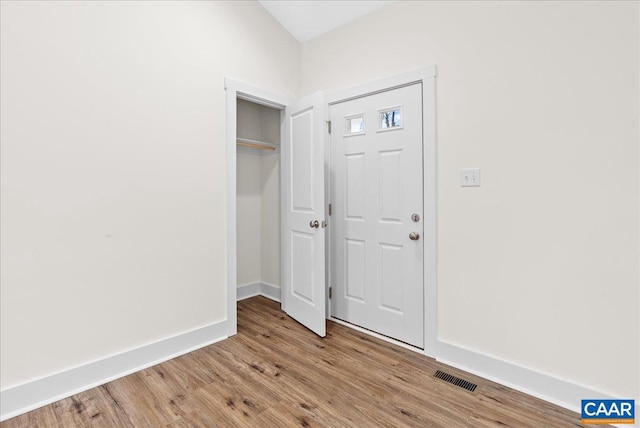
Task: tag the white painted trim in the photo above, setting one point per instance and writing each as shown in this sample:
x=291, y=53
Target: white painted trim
x=231, y=163
x=248, y=291
x=259, y=289
x=270, y=292
x=31, y=395
x=400, y=80
x=427, y=78
x=284, y=187
x=328, y=274
x=256, y=94
x=549, y=388
x=237, y=89
x=430, y=210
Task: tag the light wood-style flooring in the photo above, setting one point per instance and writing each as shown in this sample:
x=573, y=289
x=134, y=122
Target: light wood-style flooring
x=275, y=373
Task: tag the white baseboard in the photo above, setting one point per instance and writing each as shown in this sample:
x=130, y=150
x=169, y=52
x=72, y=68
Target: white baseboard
x=546, y=387
x=248, y=290
x=259, y=289
x=270, y=292
x=31, y=395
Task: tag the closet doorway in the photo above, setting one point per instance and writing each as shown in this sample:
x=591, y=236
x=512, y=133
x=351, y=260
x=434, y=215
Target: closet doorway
x=255, y=125
x=275, y=203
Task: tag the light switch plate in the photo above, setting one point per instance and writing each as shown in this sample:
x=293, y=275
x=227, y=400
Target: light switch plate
x=470, y=177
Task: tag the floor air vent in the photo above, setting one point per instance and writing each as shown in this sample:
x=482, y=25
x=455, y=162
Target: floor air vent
x=456, y=381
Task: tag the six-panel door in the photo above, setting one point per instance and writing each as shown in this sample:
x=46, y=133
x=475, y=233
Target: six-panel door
x=376, y=224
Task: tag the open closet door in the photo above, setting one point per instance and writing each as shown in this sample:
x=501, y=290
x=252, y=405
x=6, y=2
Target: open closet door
x=303, y=240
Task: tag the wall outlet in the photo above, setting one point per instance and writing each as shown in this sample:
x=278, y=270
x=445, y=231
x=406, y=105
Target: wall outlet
x=470, y=177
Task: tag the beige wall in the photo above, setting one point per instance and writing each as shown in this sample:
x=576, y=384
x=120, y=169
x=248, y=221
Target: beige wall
x=113, y=170
x=258, y=218
x=249, y=208
x=539, y=266
x=270, y=220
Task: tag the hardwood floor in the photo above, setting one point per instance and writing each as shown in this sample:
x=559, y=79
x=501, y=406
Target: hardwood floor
x=275, y=373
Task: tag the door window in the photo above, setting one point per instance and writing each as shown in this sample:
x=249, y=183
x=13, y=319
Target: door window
x=354, y=125
x=390, y=118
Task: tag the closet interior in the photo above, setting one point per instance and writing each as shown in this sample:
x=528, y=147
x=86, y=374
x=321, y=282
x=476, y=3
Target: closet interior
x=258, y=195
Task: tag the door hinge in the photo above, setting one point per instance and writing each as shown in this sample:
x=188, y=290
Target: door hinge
x=329, y=126
x=329, y=209
x=330, y=293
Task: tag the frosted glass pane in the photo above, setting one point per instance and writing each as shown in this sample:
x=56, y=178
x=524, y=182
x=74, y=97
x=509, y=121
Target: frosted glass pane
x=354, y=125
x=357, y=124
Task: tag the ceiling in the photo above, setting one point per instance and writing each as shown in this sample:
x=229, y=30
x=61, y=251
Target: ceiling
x=308, y=19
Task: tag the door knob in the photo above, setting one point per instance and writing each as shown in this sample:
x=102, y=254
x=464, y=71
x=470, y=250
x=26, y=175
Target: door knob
x=414, y=236
x=314, y=223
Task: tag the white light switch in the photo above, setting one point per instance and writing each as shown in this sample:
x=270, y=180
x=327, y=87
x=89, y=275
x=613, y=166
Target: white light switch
x=470, y=177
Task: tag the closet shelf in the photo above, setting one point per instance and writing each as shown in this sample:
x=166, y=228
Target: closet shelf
x=255, y=144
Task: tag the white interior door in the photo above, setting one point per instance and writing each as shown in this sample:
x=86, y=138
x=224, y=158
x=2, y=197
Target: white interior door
x=377, y=218
x=303, y=240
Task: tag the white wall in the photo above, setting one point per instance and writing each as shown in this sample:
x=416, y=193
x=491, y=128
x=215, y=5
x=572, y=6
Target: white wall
x=258, y=217
x=538, y=267
x=270, y=219
x=257, y=122
x=113, y=170
x=249, y=213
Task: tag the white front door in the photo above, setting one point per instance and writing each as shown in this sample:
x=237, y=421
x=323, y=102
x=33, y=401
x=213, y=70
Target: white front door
x=377, y=213
x=303, y=239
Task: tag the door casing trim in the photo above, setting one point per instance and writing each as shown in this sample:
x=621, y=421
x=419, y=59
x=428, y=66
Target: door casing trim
x=427, y=77
x=236, y=89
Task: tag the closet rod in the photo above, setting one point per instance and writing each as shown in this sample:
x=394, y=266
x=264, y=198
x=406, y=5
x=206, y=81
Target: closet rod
x=255, y=144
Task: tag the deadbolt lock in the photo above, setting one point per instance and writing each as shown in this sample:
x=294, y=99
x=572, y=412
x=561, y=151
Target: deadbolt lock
x=415, y=217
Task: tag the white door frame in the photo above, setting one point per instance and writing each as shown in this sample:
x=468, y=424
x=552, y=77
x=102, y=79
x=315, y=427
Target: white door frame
x=427, y=77
x=236, y=89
